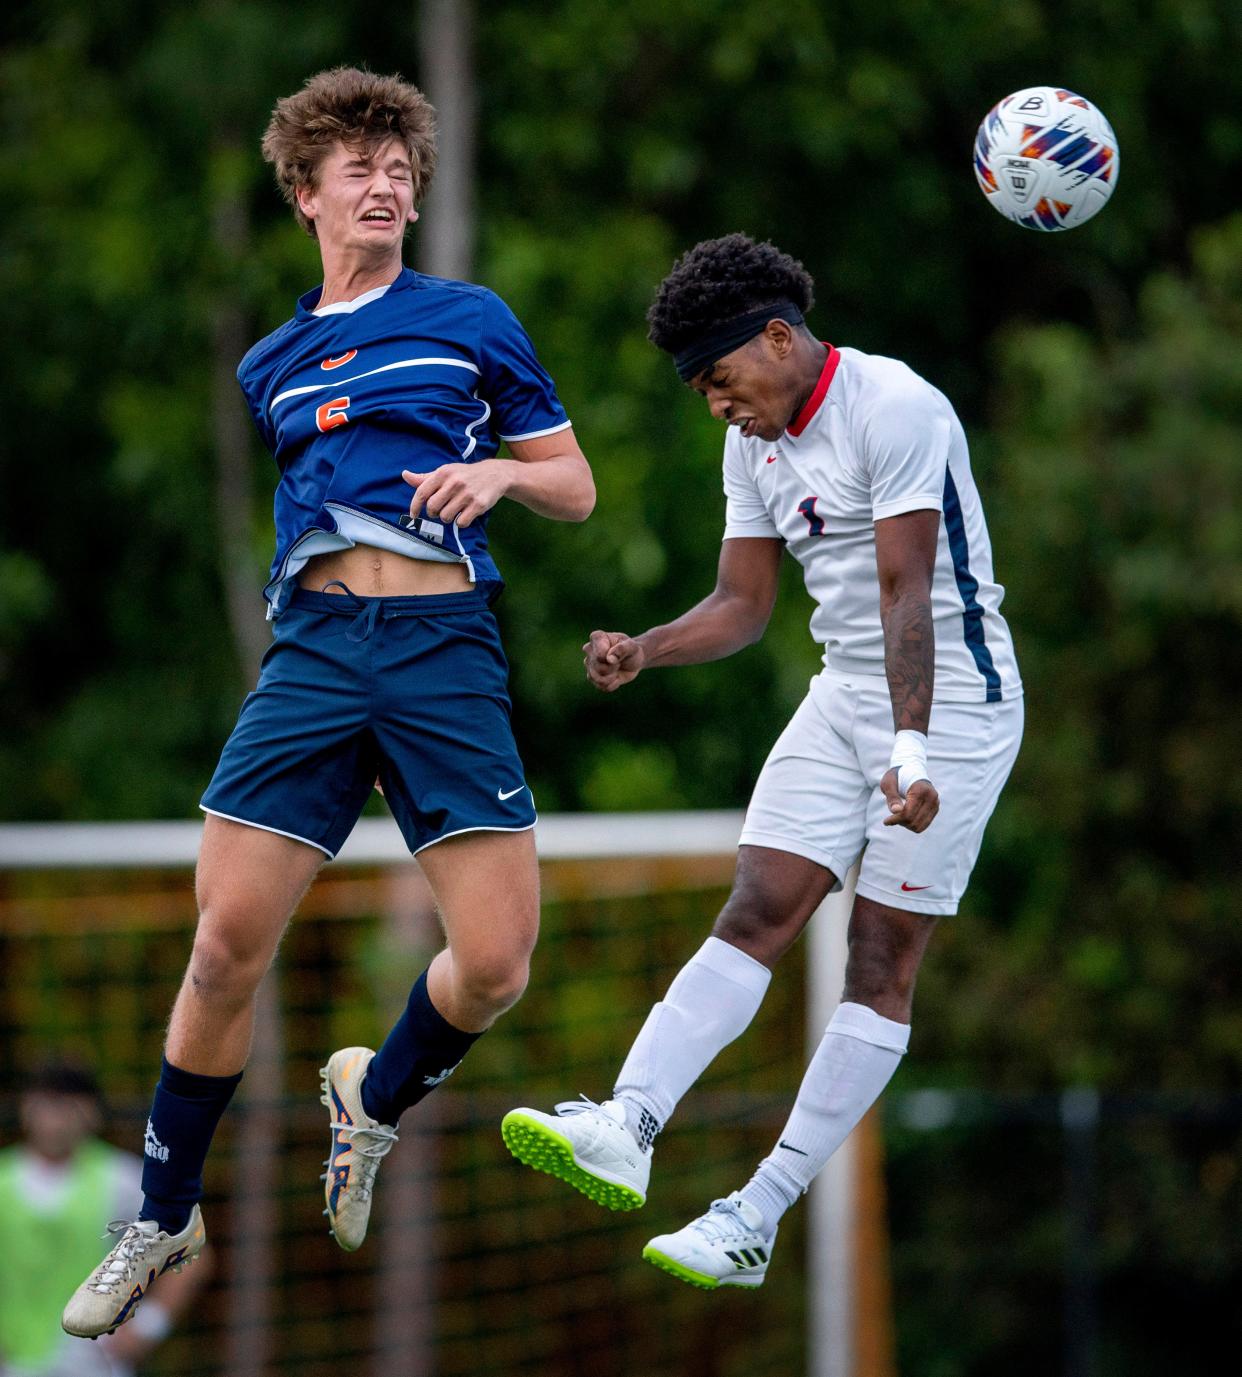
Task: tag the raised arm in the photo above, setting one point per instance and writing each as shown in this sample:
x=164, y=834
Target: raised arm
x=734, y=615
x=905, y=552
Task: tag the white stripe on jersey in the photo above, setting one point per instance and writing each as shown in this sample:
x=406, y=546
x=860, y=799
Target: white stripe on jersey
x=473, y=439
x=875, y=441
x=536, y=434
x=370, y=373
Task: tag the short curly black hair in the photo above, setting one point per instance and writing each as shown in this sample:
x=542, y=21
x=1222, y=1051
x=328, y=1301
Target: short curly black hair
x=718, y=280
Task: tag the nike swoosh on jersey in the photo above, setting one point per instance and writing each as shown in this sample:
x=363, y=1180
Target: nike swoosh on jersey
x=502, y=796
x=911, y=888
x=339, y=360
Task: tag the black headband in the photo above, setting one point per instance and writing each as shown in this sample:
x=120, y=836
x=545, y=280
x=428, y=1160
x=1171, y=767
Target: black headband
x=729, y=335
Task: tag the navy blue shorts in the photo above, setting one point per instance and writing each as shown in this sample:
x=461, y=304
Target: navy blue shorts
x=413, y=691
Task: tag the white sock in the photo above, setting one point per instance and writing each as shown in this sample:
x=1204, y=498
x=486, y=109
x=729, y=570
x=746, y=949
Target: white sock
x=853, y=1063
x=711, y=1001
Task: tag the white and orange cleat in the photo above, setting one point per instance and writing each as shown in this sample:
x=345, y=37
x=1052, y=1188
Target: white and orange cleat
x=359, y=1144
x=115, y=1289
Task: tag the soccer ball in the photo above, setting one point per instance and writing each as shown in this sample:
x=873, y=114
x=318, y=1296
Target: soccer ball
x=1046, y=158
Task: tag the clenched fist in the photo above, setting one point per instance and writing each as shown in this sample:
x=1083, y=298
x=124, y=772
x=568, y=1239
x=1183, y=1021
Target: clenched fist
x=612, y=658
x=916, y=809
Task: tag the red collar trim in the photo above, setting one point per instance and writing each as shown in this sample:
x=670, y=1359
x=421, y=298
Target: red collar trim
x=815, y=400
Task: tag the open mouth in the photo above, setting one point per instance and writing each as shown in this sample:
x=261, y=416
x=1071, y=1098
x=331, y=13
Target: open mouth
x=378, y=217
x=748, y=427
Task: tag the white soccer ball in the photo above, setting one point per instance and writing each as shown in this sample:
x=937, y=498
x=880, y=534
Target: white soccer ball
x=1046, y=158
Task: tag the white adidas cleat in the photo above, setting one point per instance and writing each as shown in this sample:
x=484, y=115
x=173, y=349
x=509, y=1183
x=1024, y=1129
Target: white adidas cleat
x=113, y=1291
x=723, y=1247
x=585, y=1144
x=359, y=1145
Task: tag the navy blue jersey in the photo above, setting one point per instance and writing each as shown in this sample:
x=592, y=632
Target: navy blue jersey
x=430, y=372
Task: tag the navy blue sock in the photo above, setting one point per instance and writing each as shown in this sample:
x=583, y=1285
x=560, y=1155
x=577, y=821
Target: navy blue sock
x=422, y=1049
x=184, y=1114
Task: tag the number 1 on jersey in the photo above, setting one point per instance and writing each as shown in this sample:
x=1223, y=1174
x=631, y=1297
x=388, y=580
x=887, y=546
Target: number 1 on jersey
x=807, y=508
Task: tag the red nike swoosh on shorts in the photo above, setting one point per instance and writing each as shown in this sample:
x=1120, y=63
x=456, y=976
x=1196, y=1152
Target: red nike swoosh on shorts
x=911, y=888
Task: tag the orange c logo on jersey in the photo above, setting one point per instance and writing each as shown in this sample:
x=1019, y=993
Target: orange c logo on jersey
x=329, y=364
x=332, y=414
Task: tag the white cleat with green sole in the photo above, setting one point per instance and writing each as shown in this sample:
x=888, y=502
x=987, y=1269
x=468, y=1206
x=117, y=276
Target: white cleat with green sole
x=724, y=1247
x=586, y=1145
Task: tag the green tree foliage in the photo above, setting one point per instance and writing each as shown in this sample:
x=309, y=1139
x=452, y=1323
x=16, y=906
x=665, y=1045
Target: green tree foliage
x=1115, y=500
x=1097, y=373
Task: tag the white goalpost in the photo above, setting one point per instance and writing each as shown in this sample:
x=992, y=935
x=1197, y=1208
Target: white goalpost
x=833, y=1214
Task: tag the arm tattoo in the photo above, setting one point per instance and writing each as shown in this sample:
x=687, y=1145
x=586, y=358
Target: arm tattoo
x=909, y=659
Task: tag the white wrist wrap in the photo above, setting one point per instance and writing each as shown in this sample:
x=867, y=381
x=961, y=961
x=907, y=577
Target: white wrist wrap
x=909, y=759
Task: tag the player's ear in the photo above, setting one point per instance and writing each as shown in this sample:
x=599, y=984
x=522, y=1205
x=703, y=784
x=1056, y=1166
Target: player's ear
x=306, y=200
x=780, y=337
x=413, y=215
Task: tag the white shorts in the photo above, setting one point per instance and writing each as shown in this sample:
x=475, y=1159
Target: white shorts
x=818, y=794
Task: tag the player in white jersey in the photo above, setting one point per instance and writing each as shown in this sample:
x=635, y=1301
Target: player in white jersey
x=898, y=753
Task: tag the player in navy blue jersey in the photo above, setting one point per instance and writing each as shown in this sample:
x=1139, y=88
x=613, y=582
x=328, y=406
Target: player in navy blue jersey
x=384, y=401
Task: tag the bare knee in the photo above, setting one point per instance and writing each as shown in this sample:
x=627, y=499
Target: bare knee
x=886, y=948
x=493, y=984
x=229, y=959
x=752, y=919
x=774, y=894
x=877, y=982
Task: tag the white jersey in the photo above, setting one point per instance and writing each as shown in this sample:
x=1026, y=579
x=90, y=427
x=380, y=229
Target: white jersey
x=875, y=440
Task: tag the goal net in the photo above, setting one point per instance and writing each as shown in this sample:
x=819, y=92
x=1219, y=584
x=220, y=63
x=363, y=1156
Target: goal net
x=474, y=1263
